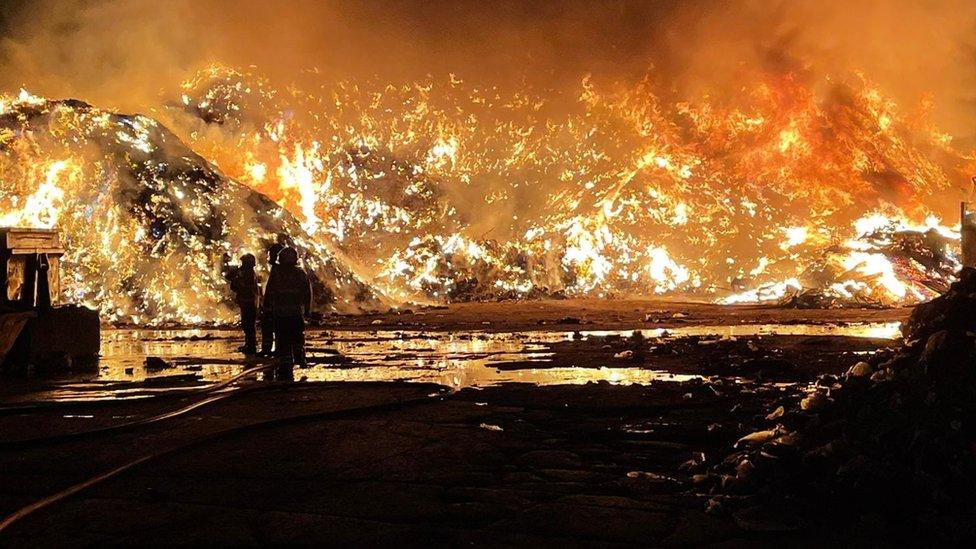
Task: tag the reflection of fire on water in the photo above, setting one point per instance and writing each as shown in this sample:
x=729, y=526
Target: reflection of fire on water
x=456, y=359
x=443, y=191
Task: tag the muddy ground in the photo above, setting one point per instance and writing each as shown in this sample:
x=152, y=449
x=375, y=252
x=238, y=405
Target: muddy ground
x=592, y=314
x=420, y=464
x=754, y=358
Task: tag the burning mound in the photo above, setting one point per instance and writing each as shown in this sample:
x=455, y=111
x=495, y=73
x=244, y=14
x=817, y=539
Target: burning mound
x=910, y=262
x=440, y=190
x=149, y=224
x=891, y=445
x=447, y=190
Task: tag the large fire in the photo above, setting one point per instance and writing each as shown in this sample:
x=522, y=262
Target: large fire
x=149, y=225
x=440, y=190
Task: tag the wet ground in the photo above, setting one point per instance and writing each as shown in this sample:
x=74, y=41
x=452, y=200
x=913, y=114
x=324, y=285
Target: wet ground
x=601, y=314
x=572, y=431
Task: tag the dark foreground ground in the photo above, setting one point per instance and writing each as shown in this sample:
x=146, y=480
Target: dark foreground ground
x=417, y=465
x=590, y=465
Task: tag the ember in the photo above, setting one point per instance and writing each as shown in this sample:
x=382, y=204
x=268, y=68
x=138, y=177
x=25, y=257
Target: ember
x=148, y=223
x=622, y=194
x=645, y=197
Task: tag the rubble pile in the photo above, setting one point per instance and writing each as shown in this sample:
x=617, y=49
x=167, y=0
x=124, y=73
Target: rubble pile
x=891, y=444
x=925, y=259
x=446, y=191
x=149, y=224
x=442, y=191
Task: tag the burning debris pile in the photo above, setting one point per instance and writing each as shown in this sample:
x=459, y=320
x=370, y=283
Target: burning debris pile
x=148, y=223
x=447, y=191
x=913, y=263
x=892, y=442
x=443, y=191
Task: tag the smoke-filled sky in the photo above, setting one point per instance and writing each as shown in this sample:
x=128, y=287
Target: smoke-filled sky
x=123, y=53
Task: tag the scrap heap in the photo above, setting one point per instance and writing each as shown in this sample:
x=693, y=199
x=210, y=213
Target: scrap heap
x=891, y=444
x=149, y=225
x=925, y=258
x=442, y=190
x=447, y=190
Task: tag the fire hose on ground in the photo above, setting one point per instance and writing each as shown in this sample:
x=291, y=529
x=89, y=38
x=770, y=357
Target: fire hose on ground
x=75, y=489
x=34, y=406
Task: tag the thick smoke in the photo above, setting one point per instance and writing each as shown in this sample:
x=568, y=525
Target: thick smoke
x=119, y=53
x=920, y=52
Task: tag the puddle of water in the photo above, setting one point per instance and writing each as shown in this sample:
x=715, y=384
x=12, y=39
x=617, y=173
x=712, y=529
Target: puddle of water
x=453, y=359
x=877, y=330
x=196, y=357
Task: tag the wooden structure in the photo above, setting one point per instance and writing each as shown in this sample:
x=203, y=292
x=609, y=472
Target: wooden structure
x=29, y=267
x=36, y=328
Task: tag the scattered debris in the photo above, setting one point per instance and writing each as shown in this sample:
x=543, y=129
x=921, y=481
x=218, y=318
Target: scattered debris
x=175, y=379
x=814, y=401
x=895, y=436
x=757, y=438
x=155, y=364
x=776, y=414
x=860, y=369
